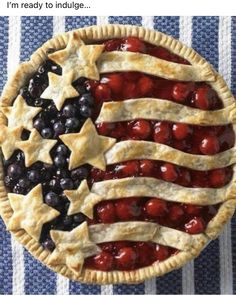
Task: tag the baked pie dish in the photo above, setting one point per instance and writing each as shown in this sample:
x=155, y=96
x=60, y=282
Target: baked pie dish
x=118, y=153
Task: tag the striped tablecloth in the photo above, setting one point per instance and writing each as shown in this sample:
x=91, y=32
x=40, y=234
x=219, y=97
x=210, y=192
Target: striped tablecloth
x=214, y=272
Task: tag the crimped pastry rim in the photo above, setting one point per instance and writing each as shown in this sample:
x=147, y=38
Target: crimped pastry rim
x=26, y=69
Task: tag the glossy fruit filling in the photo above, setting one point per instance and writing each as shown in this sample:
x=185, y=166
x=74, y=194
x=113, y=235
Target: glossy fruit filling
x=56, y=178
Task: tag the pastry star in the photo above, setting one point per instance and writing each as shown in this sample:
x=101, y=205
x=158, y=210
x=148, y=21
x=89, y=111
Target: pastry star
x=20, y=114
x=59, y=89
x=78, y=58
x=82, y=200
x=72, y=247
x=87, y=146
x=36, y=148
x=29, y=212
x=8, y=138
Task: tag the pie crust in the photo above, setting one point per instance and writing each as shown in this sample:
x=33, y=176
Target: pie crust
x=199, y=70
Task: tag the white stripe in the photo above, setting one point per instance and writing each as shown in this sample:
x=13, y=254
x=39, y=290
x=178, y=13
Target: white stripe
x=62, y=282
x=226, y=273
x=185, y=30
x=149, y=285
x=58, y=24
x=105, y=289
x=188, y=278
x=147, y=21
x=62, y=285
x=185, y=36
x=102, y=20
x=13, y=60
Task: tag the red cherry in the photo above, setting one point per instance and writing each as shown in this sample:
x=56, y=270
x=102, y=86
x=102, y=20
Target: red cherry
x=195, y=226
x=159, y=52
x=204, y=98
x=217, y=177
x=130, y=90
x=209, y=145
x=199, y=179
x=169, y=172
x=181, y=91
x=106, y=212
x=176, y=213
x=156, y=207
x=132, y=76
x=97, y=174
x=140, y=128
x=121, y=244
x=126, y=258
x=145, y=253
x=184, y=177
x=181, y=130
x=145, y=85
x=104, y=261
x=114, y=81
x=119, y=131
x=146, y=167
x=102, y=93
x=162, y=132
x=193, y=209
x=161, y=252
x=105, y=128
x=112, y=45
x=128, y=209
x=107, y=247
x=133, y=44
x=130, y=168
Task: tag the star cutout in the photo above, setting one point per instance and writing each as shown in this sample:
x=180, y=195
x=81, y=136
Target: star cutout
x=8, y=138
x=20, y=114
x=30, y=212
x=59, y=89
x=78, y=58
x=82, y=200
x=87, y=146
x=36, y=148
x=72, y=247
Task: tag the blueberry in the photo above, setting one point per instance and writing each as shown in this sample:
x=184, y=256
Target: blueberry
x=45, y=173
x=69, y=111
x=77, y=183
x=52, y=110
x=86, y=100
x=20, y=157
x=24, y=183
x=78, y=218
x=62, y=150
x=59, y=161
x=34, y=176
x=61, y=173
x=38, y=102
x=14, y=171
x=66, y=184
x=8, y=181
x=59, y=128
x=54, y=184
x=52, y=199
x=67, y=220
x=47, y=133
x=48, y=245
x=80, y=173
x=42, y=69
x=39, y=124
x=25, y=134
x=72, y=123
x=85, y=111
x=18, y=190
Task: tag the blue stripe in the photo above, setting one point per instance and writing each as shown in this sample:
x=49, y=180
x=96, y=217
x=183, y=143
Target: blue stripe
x=126, y=20
x=38, y=278
x=5, y=261
x=35, y=30
x=3, y=50
x=167, y=24
x=205, y=41
x=84, y=289
x=75, y=22
x=205, y=37
x=128, y=289
x=170, y=283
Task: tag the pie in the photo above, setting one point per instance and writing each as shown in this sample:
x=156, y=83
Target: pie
x=118, y=153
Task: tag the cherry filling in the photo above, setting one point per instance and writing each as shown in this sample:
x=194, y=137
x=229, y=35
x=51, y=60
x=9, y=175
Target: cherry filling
x=56, y=178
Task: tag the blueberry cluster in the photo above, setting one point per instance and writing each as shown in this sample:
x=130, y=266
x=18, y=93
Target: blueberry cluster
x=51, y=123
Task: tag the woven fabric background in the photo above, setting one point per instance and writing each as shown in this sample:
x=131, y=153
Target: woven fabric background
x=214, y=272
